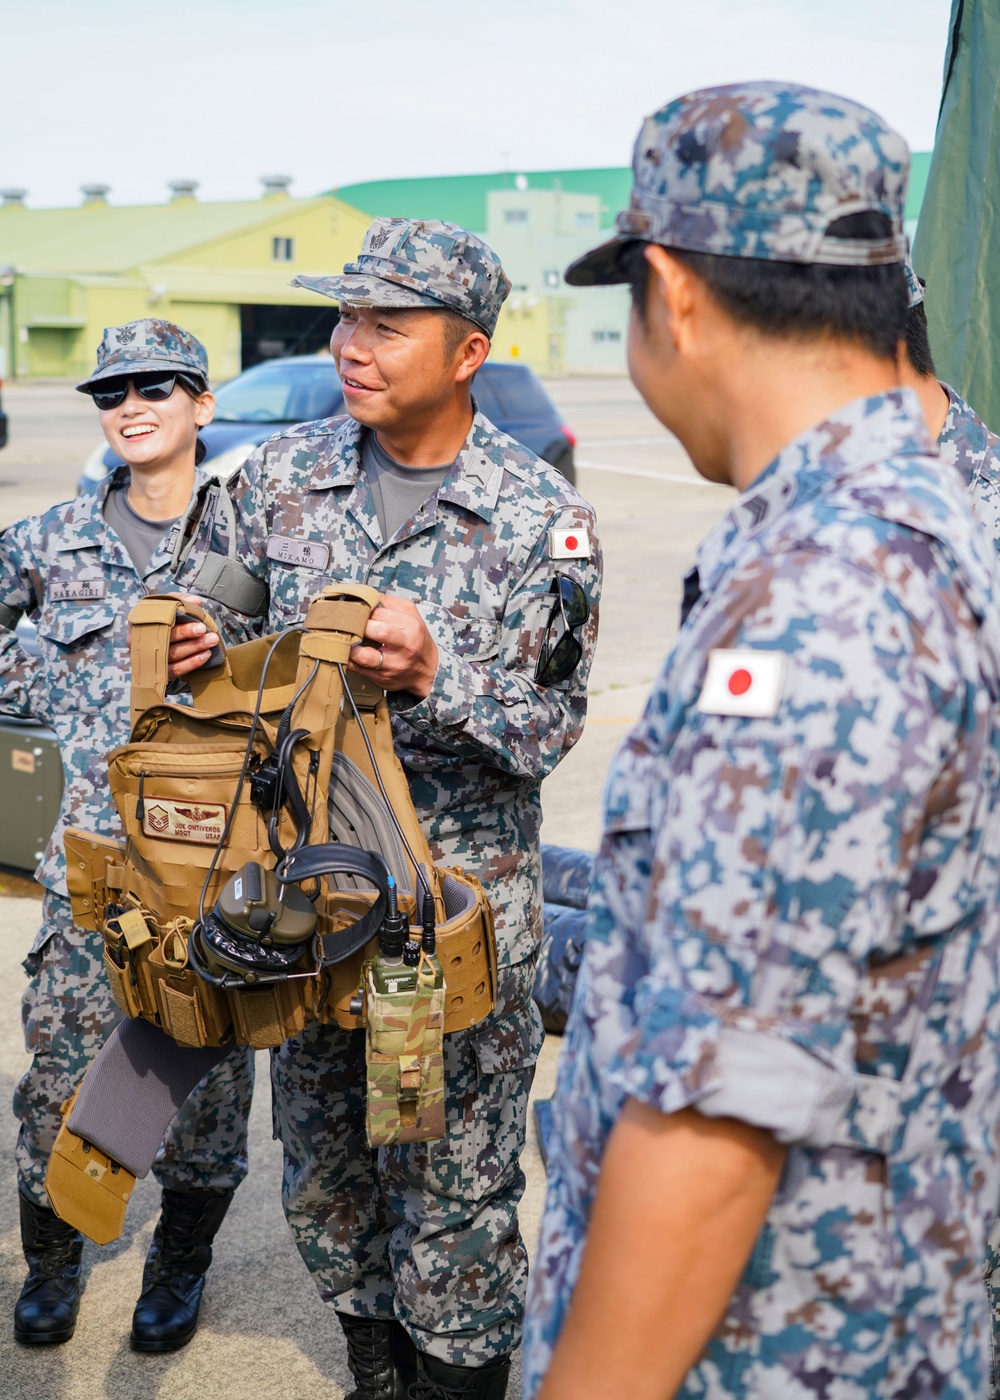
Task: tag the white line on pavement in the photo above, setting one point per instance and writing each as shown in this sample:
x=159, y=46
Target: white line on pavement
x=671, y=478
x=661, y=440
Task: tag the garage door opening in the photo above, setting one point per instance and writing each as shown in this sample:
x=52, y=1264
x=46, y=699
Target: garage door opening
x=269, y=331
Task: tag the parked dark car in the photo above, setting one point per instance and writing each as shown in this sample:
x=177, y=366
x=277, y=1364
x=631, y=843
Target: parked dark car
x=255, y=404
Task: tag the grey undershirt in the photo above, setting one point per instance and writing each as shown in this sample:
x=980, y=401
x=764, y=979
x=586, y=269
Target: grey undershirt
x=141, y=537
x=398, y=492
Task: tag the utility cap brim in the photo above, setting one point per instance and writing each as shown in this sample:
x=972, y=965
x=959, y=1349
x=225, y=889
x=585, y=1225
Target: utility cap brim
x=140, y=366
x=356, y=289
x=601, y=266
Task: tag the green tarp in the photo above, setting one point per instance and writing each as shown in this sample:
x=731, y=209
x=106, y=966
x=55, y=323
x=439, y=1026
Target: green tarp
x=957, y=245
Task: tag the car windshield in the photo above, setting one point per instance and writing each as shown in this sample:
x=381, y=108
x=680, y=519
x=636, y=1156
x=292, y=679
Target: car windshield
x=279, y=392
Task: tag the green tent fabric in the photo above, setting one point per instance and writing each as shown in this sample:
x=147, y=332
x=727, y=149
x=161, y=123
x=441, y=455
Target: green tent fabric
x=957, y=245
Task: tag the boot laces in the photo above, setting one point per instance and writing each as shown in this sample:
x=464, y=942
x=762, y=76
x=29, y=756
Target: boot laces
x=55, y=1247
x=177, y=1250
x=425, y=1389
x=367, y=1360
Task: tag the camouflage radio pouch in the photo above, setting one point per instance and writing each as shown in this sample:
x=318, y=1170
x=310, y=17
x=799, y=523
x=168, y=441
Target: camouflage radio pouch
x=405, y=1059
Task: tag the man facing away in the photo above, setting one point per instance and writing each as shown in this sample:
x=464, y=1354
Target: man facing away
x=76, y=571
x=775, y=1152
x=489, y=570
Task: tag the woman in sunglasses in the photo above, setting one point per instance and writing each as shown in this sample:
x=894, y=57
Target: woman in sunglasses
x=76, y=572
x=151, y=389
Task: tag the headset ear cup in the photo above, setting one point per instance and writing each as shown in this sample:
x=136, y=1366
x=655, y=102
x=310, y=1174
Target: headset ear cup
x=329, y=858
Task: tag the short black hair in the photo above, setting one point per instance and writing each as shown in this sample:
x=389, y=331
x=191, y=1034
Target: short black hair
x=866, y=305
x=918, y=345
x=456, y=328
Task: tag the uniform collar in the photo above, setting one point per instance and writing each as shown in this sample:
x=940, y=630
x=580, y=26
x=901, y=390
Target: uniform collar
x=962, y=421
x=473, y=483
x=86, y=528
x=864, y=432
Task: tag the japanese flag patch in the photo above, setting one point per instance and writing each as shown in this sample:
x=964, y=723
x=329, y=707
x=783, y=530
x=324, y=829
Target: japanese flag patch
x=570, y=544
x=743, y=682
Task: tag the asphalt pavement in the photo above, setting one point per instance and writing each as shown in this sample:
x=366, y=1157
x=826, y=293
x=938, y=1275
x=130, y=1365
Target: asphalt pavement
x=264, y=1330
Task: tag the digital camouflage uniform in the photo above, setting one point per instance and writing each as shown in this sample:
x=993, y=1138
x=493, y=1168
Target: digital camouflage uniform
x=434, y=1231
x=71, y=575
x=794, y=917
x=428, y=1232
x=968, y=444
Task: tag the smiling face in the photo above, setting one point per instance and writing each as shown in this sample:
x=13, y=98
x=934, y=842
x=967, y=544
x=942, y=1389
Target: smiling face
x=153, y=436
x=396, y=367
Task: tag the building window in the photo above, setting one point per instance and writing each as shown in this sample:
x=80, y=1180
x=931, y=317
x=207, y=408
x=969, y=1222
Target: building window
x=607, y=337
x=585, y=220
x=283, y=249
x=515, y=216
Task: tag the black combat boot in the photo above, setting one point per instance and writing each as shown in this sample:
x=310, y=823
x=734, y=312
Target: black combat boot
x=50, y=1299
x=381, y=1357
x=166, y=1314
x=437, y=1380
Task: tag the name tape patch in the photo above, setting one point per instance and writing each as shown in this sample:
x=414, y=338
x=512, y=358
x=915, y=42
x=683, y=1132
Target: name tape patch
x=304, y=554
x=570, y=544
x=743, y=681
x=78, y=591
x=200, y=822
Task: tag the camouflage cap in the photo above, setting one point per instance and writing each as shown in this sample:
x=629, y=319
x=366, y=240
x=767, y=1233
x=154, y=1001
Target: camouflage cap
x=913, y=285
x=421, y=262
x=759, y=170
x=143, y=346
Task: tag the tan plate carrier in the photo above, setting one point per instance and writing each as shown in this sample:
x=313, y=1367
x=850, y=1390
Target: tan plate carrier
x=174, y=785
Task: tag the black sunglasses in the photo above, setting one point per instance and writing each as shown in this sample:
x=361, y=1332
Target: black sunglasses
x=154, y=387
x=561, y=659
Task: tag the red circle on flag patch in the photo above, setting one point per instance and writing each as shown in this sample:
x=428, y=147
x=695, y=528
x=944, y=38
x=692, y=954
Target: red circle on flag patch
x=572, y=542
x=740, y=682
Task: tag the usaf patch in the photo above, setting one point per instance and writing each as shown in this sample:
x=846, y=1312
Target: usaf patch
x=743, y=682
x=78, y=591
x=304, y=554
x=570, y=544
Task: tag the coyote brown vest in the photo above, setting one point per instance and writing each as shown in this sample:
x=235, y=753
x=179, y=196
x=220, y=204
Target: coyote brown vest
x=175, y=784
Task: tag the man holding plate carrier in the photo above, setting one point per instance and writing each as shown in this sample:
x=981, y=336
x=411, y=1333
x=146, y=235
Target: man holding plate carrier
x=487, y=571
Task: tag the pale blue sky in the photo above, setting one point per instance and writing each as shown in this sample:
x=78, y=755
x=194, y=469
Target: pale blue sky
x=136, y=92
